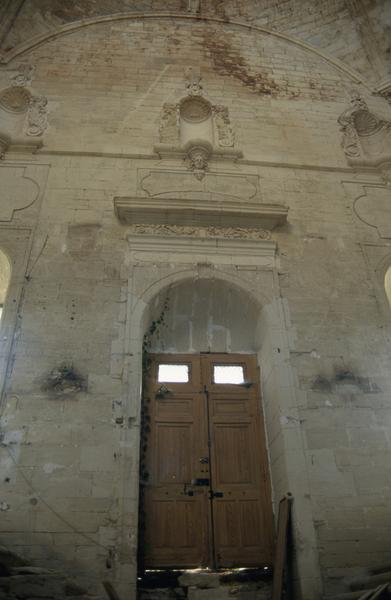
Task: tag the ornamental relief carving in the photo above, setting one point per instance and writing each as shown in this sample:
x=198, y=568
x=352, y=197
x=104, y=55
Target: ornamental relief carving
x=202, y=232
x=169, y=124
x=223, y=125
x=23, y=114
x=37, y=118
x=366, y=139
x=196, y=129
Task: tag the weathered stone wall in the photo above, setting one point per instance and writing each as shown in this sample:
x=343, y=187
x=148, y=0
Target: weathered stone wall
x=80, y=283
x=355, y=32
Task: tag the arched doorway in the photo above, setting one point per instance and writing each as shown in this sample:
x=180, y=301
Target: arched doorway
x=204, y=474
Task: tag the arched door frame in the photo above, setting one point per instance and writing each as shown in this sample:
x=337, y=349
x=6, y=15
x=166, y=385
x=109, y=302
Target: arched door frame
x=286, y=447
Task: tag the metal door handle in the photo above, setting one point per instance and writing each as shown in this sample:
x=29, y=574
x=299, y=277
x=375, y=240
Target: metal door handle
x=187, y=491
x=163, y=391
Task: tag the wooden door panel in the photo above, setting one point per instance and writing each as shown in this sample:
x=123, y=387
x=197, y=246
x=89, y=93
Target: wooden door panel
x=177, y=409
x=240, y=537
x=224, y=407
x=174, y=537
x=177, y=526
x=242, y=515
x=233, y=458
x=173, y=453
x=214, y=432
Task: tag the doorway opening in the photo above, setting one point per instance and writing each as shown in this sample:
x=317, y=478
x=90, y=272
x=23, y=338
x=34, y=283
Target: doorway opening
x=205, y=487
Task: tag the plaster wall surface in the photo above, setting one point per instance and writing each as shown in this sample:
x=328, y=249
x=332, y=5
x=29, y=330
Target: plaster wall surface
x=84, y=287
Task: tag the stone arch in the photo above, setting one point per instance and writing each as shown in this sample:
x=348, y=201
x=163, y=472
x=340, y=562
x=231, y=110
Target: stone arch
x=181, y=276
x=204, y=315
x=40, y=39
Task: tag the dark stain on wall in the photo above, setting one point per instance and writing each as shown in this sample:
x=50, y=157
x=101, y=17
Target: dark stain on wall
x=342, y=380
x=227, y=60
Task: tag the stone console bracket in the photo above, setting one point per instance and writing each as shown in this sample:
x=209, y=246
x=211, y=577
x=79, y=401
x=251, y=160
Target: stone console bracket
x=175, y=211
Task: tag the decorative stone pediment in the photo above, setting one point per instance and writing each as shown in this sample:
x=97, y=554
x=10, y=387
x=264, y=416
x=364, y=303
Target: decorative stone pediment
x=366, y=138
x=196, y=130
x=23, y=116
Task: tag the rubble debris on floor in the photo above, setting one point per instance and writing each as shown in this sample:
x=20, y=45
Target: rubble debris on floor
x=21, y=581
x=240, y=584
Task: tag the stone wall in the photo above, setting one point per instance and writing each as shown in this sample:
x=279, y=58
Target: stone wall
x=82, y=285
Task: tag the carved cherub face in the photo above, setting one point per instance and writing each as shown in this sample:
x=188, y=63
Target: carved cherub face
x=199, y=161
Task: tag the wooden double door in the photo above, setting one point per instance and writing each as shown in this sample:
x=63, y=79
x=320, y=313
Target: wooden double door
x=206, y=490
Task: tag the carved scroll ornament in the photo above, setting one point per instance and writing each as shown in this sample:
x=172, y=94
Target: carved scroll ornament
x=366, y=138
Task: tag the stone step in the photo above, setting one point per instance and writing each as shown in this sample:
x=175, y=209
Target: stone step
x=371, y=581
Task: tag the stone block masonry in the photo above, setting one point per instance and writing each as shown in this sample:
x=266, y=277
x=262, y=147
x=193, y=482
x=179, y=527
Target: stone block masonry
x=84, y=286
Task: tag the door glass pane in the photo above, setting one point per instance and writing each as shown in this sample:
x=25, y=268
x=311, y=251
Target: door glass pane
x=173, y=373
x=228, y=374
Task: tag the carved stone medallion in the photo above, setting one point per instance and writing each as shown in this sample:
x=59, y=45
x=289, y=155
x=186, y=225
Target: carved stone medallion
x=195, y=109
x=15, y=99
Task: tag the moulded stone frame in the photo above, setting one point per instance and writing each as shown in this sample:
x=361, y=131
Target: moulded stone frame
x=148, y=276
x=15, y=244
x=380, y=273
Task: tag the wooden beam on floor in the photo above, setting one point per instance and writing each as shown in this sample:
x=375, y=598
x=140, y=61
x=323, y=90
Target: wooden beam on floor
x=284, y=514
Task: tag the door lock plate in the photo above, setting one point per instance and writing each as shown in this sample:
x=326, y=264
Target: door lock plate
x=200, y=481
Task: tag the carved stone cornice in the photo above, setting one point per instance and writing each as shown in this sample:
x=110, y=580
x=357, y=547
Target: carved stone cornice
x=201, y=213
